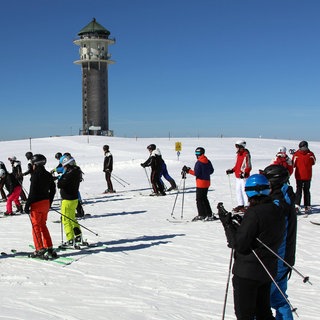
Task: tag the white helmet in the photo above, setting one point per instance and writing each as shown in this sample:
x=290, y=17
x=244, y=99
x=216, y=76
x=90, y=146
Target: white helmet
x=282, y=149
x=68, y=161
x=2, y=173
x=241, y=143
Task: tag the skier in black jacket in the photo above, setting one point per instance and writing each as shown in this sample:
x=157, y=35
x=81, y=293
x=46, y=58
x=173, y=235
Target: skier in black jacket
x=264, y=220
x=155, y=162
x=107, y=168
x=69, y=183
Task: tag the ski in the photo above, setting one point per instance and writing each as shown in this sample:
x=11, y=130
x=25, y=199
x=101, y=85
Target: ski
x=314, y=222
x=174, y=220
x=23, y=254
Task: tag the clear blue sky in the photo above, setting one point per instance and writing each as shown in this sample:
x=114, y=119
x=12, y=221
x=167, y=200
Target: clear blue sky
x=183, y=67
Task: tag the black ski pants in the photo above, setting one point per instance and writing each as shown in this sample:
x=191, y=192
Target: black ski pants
x=303, y=186
x=203, y=204
x=251, y=299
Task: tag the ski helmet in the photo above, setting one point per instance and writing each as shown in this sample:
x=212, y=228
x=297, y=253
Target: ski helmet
x=276, y=174
x=58, y=155
x=29, y=155
x=151, y=147
x=257, y=185
x=303, y=144
x=67, y=160
x=39, y=160
x=199, y=151
x=240, y=144
x=2, y=173
x=13, y=158
x=282, y=149
x=106, y=147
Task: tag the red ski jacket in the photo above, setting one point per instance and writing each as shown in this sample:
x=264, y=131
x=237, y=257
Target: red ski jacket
x=303, y=160
x=243, y=163
x=202, y=170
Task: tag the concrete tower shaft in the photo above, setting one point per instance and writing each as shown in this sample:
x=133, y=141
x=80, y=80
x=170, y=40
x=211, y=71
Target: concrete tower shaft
x=94, y=59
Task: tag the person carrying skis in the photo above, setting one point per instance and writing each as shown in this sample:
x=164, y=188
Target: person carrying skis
x=155, y=162
x=283, y=194
x=69, y=183
x=41, y=194
x=283, y=159
x=107, y=168
x=241, y=170
x=202, y=170
x=14, y=190
x=303, y=160
x=263, y=220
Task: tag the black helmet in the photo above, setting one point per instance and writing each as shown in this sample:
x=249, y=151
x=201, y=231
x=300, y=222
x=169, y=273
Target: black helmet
x=106, y=147
x=276, y=174
x=303, y=144
x=151, y=147
x=29, y=155
x=58, y=155
x=199, y=151
x=39, y=160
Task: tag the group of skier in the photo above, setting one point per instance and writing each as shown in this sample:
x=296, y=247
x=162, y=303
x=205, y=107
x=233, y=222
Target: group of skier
x=263, y=237
x=41, y=195
x=261, y=230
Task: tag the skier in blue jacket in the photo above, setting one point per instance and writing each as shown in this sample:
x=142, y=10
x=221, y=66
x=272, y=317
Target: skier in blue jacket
x=283, y=194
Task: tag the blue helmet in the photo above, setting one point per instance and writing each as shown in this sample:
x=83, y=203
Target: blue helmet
x=257, y=185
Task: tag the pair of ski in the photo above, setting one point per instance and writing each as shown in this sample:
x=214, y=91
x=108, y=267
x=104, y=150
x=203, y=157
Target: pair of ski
x=62, y=260
x=172, y=219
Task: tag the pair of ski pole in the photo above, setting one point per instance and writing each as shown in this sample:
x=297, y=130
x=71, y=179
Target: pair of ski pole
x=183, y=178
x=119, y=180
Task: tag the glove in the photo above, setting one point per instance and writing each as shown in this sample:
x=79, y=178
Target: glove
x=244, y=175
x=229, y=171
x=224, y=215
x=185, y=169
x=27, y=209
x=142, y=165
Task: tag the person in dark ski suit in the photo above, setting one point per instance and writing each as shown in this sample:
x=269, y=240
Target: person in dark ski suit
x=14, y=190
x=69, y=183
x=29, y=156
x=155, y=162
x=3, y=194
x=202, y=170
x=41, y=194
x=107, y=168
x=17, y=172
x=263, y=220
x=303, y=160
x=282, y=193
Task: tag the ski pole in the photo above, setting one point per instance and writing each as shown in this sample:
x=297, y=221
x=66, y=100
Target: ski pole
x=275, y=283
x=184, y=184
x=305, y=279
x=121, y=179
x=227, y=288
x=230, y=188
x=82, y=226
x=116, y=179
x=145, y=170
x=175, y=200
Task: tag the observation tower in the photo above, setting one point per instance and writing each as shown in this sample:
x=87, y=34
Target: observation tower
x=94, y=60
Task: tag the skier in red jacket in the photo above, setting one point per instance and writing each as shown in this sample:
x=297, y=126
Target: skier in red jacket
x=241, y=170
x=283, y=159
x=303, y=160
